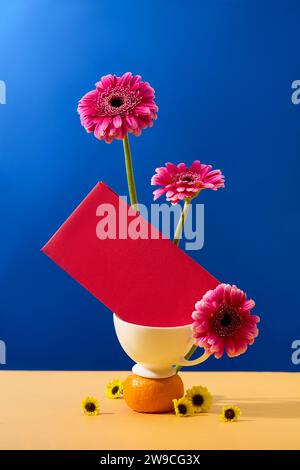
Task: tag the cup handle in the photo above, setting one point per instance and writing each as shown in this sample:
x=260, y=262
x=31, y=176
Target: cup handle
x=186, y=362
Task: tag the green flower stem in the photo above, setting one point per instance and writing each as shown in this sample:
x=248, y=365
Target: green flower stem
x=129, y=173
x=181, y=221
x=189, y=355
x=176, y=241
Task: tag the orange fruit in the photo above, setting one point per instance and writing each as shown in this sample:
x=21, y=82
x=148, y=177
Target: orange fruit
x=152, y=395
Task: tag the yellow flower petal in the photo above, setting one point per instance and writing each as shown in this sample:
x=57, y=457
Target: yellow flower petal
x=114, y=389
x=230, y=413
x=90, y=406
x=183, y=407
x=200, y=398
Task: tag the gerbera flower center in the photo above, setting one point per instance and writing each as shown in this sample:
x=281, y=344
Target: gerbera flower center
x=226, y=321
x=229, y=414
x=116, y=102
x=198, y=400
x=90, y=407
x=182, y=409
x=115, y=390
x=187, y=177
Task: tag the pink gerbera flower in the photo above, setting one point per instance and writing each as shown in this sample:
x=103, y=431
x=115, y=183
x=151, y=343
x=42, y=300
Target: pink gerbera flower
x=181, y=182
x=223, y=321
x=118, y=105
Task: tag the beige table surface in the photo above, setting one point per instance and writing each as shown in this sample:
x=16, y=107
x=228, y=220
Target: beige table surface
x=42, y=410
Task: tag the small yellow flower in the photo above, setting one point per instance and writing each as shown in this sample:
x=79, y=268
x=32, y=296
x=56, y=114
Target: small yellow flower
x=200, y=398
x=114, y=389
x=230, y=413
x=90, y=406
x=183, y=407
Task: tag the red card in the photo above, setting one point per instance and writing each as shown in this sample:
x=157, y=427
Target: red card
x=146, y=281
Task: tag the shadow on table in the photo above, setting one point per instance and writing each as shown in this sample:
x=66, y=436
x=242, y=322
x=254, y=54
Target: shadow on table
x=262, y=407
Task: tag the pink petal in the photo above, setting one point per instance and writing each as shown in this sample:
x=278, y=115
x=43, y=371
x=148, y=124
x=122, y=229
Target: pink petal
x=125, y=79
x=117, y=121
x=171, y=167
x=132, y=122
x=135, y=80
x=230, y=347
x=181, y=167
x=237, y=297
x=142, y=110
x=107, y=80
x=158, y=192
x=105, y=123
x=196, y=166
x=248, y=305
x=137, y=132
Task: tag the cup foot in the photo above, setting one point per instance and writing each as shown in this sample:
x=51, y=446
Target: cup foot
x=162, y=373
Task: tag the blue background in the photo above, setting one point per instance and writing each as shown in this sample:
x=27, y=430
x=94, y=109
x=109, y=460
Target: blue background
x=222, y=71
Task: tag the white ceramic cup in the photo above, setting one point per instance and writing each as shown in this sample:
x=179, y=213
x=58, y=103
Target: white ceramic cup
x=156, y=350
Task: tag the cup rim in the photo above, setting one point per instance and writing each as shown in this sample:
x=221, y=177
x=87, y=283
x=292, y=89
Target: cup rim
x=153, y=327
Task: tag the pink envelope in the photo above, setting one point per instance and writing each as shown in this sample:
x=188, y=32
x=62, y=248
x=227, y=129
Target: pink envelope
x=146, y=281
